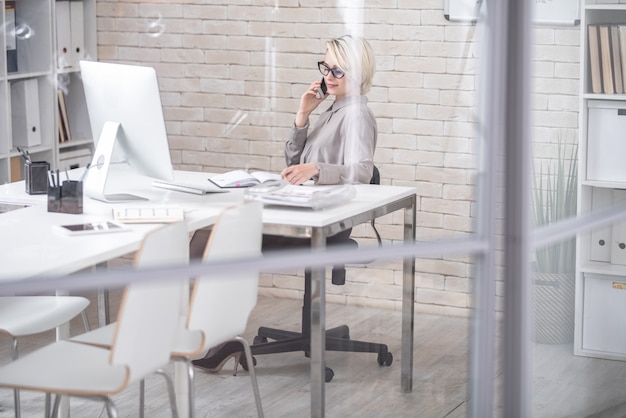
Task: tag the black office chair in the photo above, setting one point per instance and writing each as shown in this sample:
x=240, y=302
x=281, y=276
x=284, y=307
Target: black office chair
x=338, y=338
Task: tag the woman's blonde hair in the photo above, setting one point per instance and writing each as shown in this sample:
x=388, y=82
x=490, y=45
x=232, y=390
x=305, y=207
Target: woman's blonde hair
x=356, y=58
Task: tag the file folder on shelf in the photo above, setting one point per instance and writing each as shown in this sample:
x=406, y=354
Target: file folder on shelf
x=11, y=39
x=25, y=118
x=64, y=41
x=77, y=33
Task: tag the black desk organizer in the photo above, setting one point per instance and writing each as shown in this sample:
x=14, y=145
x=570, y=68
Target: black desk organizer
x=36, y=176
x=66, y=198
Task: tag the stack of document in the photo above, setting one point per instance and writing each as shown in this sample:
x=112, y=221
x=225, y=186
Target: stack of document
x=314, y=197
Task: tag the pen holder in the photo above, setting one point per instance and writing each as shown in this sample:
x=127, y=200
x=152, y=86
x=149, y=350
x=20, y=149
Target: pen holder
x=67, y=198
x=36, y=177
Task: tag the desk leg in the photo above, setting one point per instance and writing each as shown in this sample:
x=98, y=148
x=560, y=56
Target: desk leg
x=181, y=386
x=318, y=329
x=408, y=298
x=63, y=330
x=104, y=316
x=63, y=333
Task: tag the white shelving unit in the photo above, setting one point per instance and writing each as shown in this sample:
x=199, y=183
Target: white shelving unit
x=601, y=254
x=29, y=108
x=82, y=19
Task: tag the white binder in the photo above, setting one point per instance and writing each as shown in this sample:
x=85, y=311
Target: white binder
x=77, y=32
x=64, y=41
x=618, y=234
x=600, y=247
x=25, y=121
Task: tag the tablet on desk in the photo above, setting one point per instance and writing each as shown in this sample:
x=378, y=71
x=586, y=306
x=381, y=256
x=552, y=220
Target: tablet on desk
x=98, y=227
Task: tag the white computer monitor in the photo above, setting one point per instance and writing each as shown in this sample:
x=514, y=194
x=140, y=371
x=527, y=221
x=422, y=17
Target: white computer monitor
x=126, y=116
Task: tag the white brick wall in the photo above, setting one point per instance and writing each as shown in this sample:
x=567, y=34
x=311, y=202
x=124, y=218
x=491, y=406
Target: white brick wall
x=231, y=73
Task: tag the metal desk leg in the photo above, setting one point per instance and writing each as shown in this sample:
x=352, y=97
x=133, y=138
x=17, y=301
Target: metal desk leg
x=63, y=333
x=181, y=381
x=408, y=298
x=318, y=329
x=104, y=314
x=63, y=330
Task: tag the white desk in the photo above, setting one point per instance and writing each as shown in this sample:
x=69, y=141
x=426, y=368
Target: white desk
x=370, y=202
x=30, y=232
x=31, y=247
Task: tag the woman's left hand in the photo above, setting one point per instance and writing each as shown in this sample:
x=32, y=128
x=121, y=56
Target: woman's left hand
x=299, y=173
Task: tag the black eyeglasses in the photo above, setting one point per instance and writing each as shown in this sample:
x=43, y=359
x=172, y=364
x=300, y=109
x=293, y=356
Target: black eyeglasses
x=325, y=69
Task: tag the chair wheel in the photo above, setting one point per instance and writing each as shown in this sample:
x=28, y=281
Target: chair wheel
x=259, y=340
x=385, y=359
x=329, y=375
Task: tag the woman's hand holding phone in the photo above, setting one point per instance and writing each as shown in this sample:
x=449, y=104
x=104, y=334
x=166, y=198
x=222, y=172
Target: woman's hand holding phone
x=309, y=101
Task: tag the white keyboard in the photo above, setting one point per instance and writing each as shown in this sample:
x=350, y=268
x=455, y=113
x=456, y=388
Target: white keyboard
x=187, y=188
x=143, y=214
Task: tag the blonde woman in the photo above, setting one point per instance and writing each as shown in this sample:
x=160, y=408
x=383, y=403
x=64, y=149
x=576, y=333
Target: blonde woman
x=339, y=149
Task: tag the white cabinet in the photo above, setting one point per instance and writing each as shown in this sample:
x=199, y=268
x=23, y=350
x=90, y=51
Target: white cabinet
x=606, y=142
x=603, y=333
x=30, y=77
x=601, y=253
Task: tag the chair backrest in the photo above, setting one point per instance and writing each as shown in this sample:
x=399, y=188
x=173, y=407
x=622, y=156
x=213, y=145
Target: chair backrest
x=149, y=313
x=220, y=306
x=375, y=176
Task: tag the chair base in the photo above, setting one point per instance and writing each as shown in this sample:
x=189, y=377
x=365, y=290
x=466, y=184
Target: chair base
x=337, y=339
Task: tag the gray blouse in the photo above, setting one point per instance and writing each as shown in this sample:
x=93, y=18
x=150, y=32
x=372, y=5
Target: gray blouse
x=342, y=143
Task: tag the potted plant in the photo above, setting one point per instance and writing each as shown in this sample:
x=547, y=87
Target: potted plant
x=555, y=193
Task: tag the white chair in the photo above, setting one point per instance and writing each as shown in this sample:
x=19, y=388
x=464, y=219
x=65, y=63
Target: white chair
x=22, y=316
x=219, y=307
x=148, y=319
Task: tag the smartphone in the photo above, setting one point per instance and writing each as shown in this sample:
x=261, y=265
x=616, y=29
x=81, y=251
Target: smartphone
x=321, y=92
x=91, y=228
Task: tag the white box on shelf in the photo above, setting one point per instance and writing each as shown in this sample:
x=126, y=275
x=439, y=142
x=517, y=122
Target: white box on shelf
x=604, y=315
x=606, y=141
x=74, y=158
x=71, y=163
x=25, y=120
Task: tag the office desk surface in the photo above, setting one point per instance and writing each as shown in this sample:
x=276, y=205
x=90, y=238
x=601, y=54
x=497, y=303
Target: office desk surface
x=293, y=221
x=30, y=246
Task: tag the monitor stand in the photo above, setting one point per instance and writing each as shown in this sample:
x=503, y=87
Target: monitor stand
x=95, y=181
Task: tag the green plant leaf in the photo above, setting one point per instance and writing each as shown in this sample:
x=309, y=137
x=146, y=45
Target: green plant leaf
x=554, y=199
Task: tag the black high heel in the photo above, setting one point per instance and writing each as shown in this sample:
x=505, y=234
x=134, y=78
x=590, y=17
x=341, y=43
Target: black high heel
x=217, y=357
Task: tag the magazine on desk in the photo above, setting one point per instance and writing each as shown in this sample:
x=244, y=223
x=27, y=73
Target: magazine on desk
x=242, y=178
x=313, y=197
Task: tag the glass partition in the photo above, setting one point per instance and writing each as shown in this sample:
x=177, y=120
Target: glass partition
x=493, y=280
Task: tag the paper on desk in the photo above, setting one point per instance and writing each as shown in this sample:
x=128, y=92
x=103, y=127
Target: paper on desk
x=314, y=197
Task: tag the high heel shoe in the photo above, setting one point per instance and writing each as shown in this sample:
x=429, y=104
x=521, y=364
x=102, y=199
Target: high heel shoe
x=217, y=357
